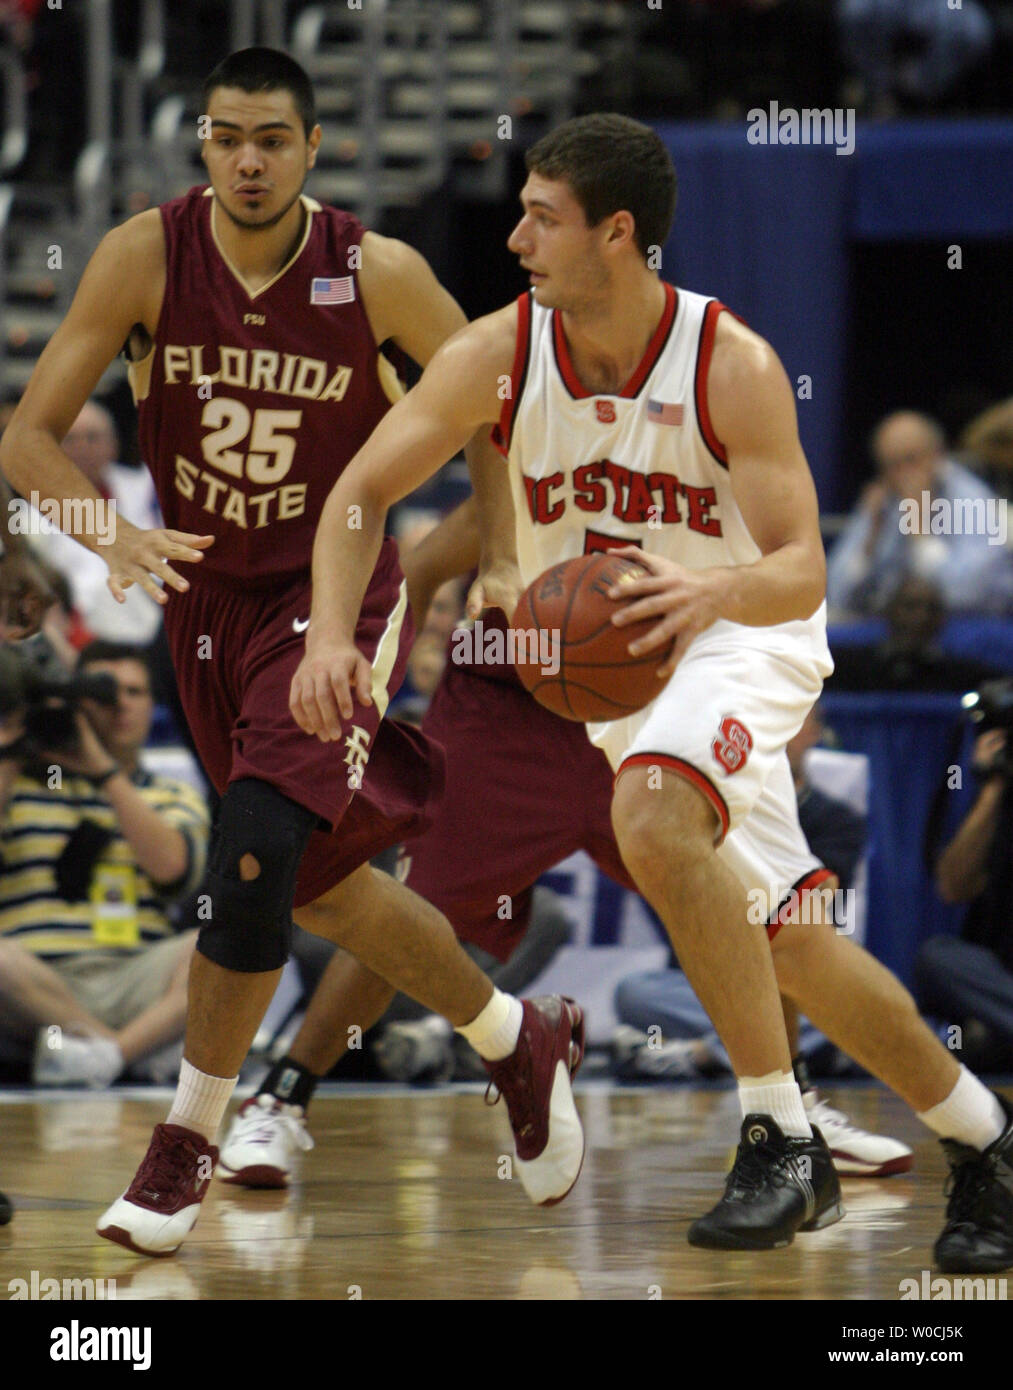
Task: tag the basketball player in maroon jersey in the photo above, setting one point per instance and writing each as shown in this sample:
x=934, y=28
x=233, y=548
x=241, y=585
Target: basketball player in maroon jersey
x=545, y=792
x=253, y=318
x=599, y=326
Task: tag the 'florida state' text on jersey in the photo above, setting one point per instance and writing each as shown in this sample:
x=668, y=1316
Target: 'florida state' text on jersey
x=250, y=405
x=594, y=470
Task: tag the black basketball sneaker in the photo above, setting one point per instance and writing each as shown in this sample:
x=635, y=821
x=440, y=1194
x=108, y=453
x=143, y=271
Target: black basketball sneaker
x=777, y=1186
x=978, y=1235
x=6, y=1210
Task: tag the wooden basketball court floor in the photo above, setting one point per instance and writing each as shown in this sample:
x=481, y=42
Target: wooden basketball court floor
x=403, y=1198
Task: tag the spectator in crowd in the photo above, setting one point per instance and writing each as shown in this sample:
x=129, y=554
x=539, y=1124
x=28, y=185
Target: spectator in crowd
x=93, y=852
x=429, y=654
x=967, y=980
x=909, y=656
x=93, y=444
x=26, y=585
x=987, y=443
x=912, y=50
x=923, y=515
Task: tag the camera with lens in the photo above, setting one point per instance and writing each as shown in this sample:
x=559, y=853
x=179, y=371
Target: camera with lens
x=991, y=707
x=34, y=680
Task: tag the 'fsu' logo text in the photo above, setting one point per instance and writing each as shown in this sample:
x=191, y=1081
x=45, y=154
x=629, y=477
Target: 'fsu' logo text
x=732, y=744
x=632, y=497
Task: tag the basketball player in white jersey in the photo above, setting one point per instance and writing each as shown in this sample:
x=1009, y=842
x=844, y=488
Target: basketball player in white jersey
x=632, y=413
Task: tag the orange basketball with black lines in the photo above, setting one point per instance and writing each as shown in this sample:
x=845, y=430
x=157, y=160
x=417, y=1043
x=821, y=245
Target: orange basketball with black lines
x=567, y=651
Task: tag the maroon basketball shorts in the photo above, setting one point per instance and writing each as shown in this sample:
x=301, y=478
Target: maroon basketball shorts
x=236, y=649
x=524, y=790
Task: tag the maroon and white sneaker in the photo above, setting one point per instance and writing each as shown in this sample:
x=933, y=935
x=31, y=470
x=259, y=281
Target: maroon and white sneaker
x=261, y=1146
x=535, y=1082
x=856, y=1152
x=162, y=1203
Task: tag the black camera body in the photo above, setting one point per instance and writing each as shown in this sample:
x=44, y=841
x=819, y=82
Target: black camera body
x=35, y=680
x=991, y=707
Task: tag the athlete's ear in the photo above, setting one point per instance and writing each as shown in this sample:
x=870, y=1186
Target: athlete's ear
x=622, y=228
x=312, y=145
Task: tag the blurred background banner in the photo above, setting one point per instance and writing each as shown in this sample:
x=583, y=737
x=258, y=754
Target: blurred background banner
x=770, y=230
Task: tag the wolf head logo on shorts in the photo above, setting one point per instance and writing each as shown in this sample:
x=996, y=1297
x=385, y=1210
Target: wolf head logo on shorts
x=732, y=744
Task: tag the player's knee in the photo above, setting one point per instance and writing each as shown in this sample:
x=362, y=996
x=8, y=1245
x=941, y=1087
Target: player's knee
x=351, y=909
x=258, y=844
x=662, y=825
x=797, y=950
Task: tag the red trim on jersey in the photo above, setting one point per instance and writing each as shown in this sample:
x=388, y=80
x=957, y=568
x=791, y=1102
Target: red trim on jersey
x=692, y=774
x=656, y=344
x=501, y=432
x=804, y=884
x=703, y=362
x=643, y=370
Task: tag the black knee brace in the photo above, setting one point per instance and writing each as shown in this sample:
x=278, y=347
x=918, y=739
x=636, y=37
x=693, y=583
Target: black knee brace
x=250, y=928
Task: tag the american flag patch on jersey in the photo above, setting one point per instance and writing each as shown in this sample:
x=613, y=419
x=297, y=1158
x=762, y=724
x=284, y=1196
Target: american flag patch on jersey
x=339, y=291
x=660, y=413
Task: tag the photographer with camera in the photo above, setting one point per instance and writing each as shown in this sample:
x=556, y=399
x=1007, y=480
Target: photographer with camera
x=94, y=851
x=968, y=979
x=26, y=593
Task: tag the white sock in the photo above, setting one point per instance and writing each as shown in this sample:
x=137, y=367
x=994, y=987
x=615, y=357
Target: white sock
x=201, y=1101
x=970, y=1113
x=494, y=1033
x=777, y=1095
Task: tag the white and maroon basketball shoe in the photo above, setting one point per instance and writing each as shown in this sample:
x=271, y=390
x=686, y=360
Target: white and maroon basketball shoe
x=535, y=1082
x=162, y=1203
x=856, y=1152
x=261, y=1147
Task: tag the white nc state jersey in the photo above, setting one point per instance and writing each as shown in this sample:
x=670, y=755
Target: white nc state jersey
x=595, y=470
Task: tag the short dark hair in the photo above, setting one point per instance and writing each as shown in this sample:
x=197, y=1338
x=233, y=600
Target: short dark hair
x=264, y=70
x=612, y=163
x=101, y=649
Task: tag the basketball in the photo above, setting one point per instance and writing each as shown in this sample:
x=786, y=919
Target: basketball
x=568, y=652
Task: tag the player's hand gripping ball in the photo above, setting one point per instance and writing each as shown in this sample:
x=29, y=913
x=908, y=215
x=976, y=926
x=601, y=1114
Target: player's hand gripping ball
x=569, y=654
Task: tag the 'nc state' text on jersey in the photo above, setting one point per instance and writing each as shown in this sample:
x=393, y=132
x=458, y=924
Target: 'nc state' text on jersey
x=636, y=498
x=255, y=369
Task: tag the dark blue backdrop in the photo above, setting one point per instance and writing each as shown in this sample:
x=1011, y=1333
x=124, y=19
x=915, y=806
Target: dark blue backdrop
x=766, y=229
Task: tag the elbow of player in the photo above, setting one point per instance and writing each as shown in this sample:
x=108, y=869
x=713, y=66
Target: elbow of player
x=358, y=501
x=810, y=599
x=19, y=444
x=9, y=454
x=816, y=588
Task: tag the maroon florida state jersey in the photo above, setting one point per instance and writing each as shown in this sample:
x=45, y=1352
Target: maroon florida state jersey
x=250, y=405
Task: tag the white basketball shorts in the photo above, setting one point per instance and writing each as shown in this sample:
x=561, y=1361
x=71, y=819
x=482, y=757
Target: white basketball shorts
x=722, y=722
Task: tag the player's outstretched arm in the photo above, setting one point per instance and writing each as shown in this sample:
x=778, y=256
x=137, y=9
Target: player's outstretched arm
x=457, y=394
x=405, y=302
x=122, y=285
x=752, y=409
